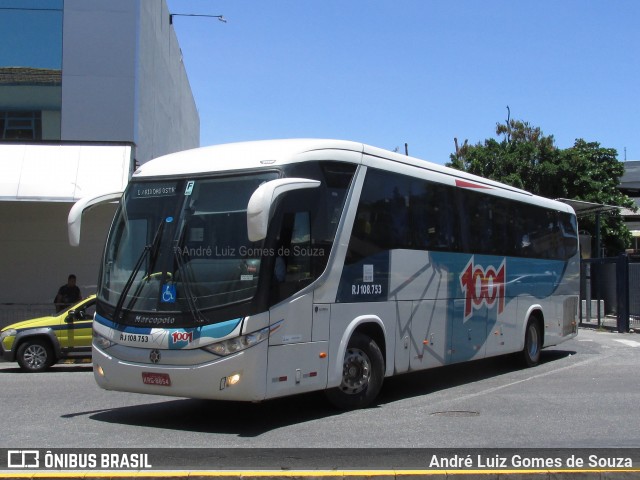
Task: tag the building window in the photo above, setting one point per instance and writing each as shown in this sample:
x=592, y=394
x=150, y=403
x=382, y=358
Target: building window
x=30, y=69
x=32, y=33
x=20, y=125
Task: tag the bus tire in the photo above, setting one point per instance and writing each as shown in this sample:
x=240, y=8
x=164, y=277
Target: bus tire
x=530, y=354
x=362, y=374
x=35, y=355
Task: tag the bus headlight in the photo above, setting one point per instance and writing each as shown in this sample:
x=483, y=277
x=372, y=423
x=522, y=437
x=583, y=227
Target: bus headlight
x=102, y=342
x=234, y=345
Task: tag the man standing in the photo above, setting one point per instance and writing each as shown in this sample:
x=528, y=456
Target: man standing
x=68, y=294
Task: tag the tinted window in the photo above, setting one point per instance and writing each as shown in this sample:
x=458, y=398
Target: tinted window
x=401, y=212
x=397, y=211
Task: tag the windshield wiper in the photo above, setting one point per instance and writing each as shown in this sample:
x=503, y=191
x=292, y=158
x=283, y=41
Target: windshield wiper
x=186, y=284
x=152, y=247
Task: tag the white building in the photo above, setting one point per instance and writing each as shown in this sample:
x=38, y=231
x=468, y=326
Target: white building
x=88, y=88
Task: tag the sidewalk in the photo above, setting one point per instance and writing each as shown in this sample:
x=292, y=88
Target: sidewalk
x=610, y=322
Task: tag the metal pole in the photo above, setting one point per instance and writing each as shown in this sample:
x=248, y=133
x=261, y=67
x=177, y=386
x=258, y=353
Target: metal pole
x=598, y=235
x=587, y=291
x=599, y=273
x=622, y=293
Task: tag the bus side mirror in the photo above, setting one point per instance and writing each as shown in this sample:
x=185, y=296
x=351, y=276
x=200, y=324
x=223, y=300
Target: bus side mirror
x=260, y=203
x=74, y=220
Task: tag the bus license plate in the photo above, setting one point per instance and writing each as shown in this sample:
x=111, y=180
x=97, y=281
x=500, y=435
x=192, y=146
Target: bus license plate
x=161, y=379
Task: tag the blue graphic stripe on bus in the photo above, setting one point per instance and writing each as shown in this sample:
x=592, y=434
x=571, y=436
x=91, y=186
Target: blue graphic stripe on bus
x=520, y=276
x=178, y=337
x=480, y=289
x=479, y=279
x=477, y=290
x=181, y=337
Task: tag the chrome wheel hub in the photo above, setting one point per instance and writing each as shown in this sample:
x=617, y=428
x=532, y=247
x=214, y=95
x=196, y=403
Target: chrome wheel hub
x=356, y=371
x=35, y=356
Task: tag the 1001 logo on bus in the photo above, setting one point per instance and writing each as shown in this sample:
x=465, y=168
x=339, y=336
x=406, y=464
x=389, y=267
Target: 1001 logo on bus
x=182, y=337
x=483, y=287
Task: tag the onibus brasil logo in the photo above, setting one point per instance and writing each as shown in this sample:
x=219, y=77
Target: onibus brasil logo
x=483, y=287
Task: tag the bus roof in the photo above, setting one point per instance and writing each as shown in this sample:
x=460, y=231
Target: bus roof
x=272, y=153
x=239, y=156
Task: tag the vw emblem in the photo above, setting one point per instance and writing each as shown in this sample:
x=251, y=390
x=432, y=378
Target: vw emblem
x=154, y=356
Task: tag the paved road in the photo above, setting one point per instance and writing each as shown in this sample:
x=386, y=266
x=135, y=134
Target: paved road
x=586, y=393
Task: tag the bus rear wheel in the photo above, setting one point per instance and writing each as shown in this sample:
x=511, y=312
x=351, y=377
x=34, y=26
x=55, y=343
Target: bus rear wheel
x=362, y=374
x=530, y=354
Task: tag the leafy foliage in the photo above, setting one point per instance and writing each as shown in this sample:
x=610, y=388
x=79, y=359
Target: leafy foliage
x=526, y=158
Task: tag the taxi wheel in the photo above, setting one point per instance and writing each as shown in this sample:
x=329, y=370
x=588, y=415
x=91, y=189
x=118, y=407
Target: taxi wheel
x=35, y=355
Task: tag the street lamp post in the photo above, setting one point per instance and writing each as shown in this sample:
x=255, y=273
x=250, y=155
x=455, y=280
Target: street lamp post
x=171, y=15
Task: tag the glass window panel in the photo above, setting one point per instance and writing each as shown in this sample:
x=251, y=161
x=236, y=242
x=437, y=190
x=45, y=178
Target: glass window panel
x=30, y=65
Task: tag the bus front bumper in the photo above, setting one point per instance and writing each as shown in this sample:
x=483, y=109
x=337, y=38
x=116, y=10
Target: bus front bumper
x=241, y=376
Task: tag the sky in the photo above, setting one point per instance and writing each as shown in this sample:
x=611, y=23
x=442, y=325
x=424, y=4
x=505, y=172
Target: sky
x=420, y=72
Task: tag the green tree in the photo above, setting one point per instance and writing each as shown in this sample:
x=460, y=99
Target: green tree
x=523, y=155
x=526, y=158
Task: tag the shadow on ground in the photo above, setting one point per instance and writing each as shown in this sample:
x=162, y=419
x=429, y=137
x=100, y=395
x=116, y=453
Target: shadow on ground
x=254, y=419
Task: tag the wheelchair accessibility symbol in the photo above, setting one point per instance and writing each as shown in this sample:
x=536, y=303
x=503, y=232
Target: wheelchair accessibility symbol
x=169, y=293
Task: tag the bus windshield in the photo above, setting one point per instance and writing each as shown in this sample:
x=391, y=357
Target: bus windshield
x=182, y=246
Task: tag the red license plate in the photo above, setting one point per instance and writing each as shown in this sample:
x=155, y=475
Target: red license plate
x=162, y=379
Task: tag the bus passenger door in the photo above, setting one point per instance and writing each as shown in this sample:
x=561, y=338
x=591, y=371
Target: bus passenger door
x=295, y=362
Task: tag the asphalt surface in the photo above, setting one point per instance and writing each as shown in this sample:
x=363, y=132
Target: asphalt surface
x=584, y=394
x=581, y=401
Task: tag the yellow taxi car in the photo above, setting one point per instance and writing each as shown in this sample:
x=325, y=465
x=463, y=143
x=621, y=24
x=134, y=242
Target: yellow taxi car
x=41, y=342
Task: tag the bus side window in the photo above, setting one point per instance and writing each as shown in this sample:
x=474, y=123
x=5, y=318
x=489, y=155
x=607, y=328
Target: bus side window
x=293, y=254
x=383, y=217
x=437, y=219
x=569, y=234
x=475, y=217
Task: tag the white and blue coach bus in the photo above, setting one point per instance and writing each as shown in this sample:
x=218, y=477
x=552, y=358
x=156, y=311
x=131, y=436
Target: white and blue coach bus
x=256, y=270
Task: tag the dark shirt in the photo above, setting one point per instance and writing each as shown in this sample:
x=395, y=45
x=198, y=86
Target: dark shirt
x=67, y=296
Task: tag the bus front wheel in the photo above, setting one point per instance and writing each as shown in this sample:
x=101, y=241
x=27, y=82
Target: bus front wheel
x=362, y=374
